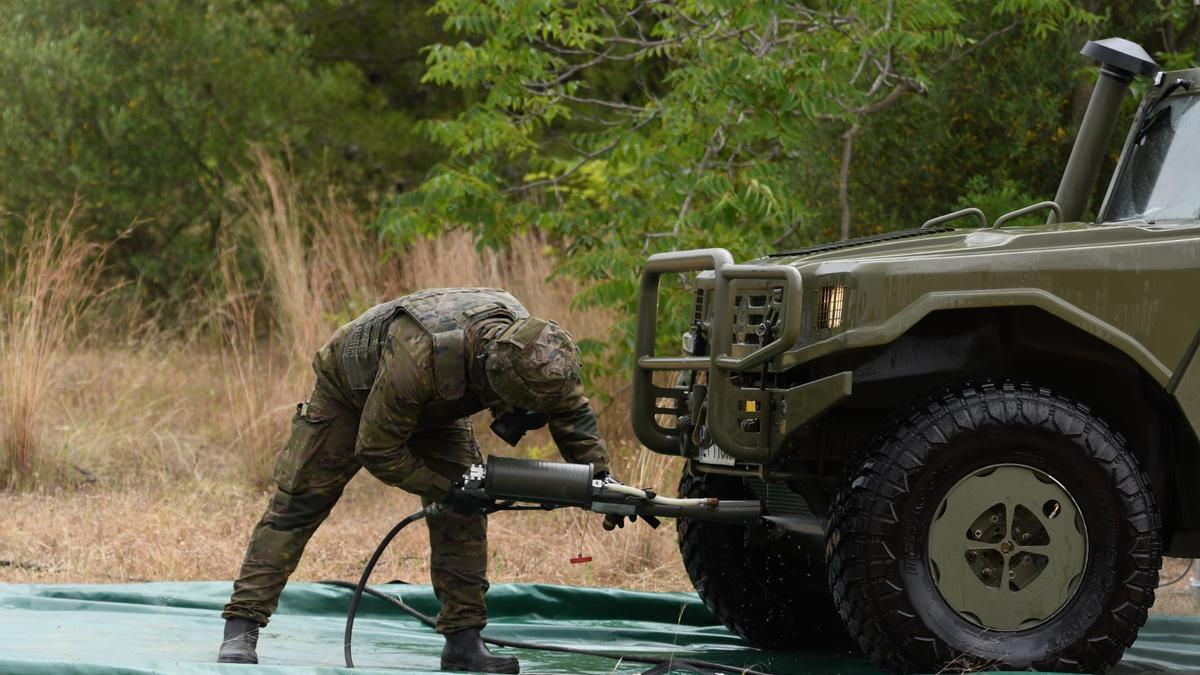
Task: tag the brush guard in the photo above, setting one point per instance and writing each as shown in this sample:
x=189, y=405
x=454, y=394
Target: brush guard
x=752, y=423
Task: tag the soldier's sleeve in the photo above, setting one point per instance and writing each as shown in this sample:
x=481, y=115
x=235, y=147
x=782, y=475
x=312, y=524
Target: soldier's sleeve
x=575, y=431
x=389, y=419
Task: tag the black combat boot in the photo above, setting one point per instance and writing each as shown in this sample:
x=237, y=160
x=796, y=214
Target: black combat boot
x=241, y=639
x=465, y=651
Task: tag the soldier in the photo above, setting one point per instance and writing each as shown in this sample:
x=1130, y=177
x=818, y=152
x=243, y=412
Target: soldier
x=393, y=393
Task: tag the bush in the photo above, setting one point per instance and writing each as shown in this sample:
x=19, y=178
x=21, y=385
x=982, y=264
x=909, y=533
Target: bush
x=148, y=109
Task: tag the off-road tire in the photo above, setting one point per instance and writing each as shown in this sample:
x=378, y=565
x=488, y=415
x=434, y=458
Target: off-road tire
x=768, y=588
x=876, y=541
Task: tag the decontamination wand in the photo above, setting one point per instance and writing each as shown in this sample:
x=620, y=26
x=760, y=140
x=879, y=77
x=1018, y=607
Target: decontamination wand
x=517, y=484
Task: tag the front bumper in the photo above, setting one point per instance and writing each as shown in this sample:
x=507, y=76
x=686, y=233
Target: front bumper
x=750, y=423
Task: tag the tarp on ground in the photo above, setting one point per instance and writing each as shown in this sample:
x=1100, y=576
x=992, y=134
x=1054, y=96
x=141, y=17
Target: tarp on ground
x=176, y=627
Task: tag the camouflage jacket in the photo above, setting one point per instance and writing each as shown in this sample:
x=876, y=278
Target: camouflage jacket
x=413, y=386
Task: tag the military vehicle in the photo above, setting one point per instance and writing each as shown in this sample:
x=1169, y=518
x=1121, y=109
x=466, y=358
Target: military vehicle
x=975, y=441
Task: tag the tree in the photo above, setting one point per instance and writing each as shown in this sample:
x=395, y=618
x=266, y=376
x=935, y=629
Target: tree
x=146, y=111
x=383, y=41
x=720, y=140
x=995, y=130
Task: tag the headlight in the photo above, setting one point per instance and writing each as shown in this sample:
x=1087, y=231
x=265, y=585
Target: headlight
x=832, y=307
x=689, y=343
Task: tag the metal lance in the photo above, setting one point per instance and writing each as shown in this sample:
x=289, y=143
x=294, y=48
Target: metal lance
x=1120, y=62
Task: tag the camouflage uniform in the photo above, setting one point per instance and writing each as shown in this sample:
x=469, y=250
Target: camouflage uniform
x=393, y=393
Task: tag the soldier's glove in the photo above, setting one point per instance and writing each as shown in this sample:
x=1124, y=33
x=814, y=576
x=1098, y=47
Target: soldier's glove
x=614, y=520
x=466, y=504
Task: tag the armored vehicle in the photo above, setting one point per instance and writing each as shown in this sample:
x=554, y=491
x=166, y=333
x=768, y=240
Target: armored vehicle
x=975, y=441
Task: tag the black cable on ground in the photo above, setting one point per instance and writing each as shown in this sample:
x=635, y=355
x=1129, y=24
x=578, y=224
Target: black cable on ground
x=661, y=665
x=405, y=607
x=708, y=666
x=362, y=581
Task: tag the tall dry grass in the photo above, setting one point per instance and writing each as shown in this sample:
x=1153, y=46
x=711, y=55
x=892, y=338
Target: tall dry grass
x=255, y=380
x=317, y=257
x=322, y=267
x=49, y=279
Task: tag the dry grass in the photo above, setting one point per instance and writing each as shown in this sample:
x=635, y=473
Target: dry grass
x=255, y=379
x=197, y=530
x=141, y=416
x=178, y=432
x=172, y=500
x=48, y=281
x=1180, y=597
x=320, y=268
x=319, y=262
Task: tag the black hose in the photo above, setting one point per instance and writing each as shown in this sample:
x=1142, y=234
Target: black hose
x=515, y=644
x=361, y=587
x=362, y=581
x=407, y=608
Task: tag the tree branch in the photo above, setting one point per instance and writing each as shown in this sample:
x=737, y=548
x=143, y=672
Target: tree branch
x=844, y=177
x=715, y=143
x=975, y=47
x=584, y=159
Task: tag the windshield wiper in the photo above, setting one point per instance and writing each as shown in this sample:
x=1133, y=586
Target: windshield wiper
x=1154, y=115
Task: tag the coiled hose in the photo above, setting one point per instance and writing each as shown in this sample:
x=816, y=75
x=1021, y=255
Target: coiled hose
x=660, y=665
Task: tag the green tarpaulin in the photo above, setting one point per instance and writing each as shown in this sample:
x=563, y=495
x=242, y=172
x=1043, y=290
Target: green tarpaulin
x=175, y=628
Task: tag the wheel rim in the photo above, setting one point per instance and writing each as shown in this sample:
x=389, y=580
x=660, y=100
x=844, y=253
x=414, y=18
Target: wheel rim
x=1007, y=547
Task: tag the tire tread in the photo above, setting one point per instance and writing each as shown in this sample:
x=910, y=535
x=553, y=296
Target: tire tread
x=874, y=611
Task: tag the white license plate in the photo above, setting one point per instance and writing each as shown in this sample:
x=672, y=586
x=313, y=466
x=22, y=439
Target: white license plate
x=714, y=455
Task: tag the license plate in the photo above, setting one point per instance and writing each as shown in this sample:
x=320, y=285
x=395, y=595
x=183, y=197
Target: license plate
x=714, y=455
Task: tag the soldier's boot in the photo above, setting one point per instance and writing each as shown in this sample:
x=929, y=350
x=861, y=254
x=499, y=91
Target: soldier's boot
x=466, y=652
x=241, y=640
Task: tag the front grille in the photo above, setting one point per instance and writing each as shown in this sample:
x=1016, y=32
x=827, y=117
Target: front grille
x=755, y=315
x=698, y=313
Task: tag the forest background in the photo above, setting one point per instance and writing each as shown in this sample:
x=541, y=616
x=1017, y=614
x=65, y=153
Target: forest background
x=194, y=194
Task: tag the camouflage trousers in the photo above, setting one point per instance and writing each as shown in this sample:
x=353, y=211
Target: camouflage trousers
x=310, y=476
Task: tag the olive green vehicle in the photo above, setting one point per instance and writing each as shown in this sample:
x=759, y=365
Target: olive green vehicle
x=975, y=441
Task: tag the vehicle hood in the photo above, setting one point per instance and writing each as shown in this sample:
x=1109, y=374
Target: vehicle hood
x=918, y=244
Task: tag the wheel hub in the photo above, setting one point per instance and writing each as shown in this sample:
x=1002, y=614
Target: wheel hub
x=1007, y=547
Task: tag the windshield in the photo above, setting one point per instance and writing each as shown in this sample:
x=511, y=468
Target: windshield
x=1161, y=176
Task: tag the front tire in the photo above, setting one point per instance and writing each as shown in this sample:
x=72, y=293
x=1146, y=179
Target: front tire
x=995, y=527
x=768, y=587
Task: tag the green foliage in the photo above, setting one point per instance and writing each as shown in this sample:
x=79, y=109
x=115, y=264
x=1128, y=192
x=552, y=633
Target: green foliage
x=1001, y=120
x=995, y=131
x=728, y=133
x=618, y=127
x=146, y=110
x=383, y=41
x=995, y=196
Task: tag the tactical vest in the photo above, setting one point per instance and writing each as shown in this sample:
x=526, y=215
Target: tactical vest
x=444, y=313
